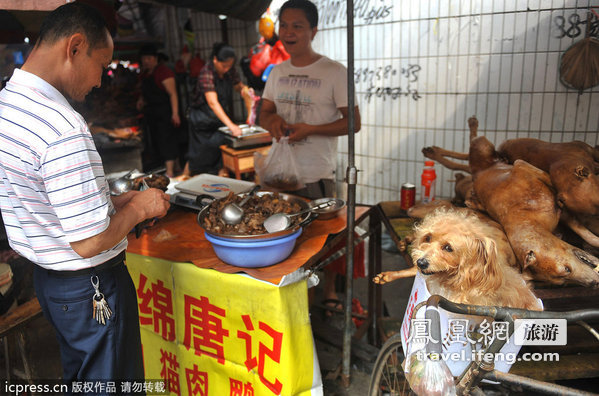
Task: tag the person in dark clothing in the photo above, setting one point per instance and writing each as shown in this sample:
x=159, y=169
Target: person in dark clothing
x=160, y=105
x=211, y=109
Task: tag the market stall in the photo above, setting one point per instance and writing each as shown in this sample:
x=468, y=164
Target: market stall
x=397, y=93
x=206, y=323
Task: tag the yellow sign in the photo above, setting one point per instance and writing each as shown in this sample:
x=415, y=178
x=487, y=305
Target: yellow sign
x=209, y=333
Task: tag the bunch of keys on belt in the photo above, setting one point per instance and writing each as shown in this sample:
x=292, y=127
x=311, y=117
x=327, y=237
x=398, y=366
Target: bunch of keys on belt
x=101, y=310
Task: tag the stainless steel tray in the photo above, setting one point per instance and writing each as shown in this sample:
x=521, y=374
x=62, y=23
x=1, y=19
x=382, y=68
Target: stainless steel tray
x=216, y=186
x=253, y=136
x=248, y=130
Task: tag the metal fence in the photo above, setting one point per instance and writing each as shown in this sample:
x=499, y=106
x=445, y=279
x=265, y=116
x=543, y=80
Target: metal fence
x=422, y=68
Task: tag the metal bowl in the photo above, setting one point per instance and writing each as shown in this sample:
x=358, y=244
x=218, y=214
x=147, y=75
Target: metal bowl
x=306, y=218
x=330, y=211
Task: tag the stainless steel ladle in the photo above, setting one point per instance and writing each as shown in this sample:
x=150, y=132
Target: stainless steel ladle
x=124, y=183
x=121, y=185
x=233, y=213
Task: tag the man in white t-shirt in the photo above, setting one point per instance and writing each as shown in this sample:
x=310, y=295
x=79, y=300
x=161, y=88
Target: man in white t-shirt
x=305, y=98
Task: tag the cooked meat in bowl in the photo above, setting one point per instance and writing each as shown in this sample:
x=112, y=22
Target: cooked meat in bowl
x=256, y=210
x=154, y=180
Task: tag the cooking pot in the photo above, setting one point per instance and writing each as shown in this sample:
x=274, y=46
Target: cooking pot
x=306, y=219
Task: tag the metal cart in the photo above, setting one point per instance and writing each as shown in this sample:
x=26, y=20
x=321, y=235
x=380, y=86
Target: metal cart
x=388, y=374
x=579, y=359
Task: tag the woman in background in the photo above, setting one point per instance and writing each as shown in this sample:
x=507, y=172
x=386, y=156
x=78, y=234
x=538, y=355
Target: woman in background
x=160, y=105
x=211, y=109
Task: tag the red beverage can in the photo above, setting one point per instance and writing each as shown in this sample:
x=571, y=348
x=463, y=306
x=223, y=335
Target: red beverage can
x=408, y=196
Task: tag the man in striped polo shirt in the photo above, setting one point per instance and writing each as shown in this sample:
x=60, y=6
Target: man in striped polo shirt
x=56, y=204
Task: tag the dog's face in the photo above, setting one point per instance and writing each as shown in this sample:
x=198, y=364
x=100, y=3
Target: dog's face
x=577, y=187
x=457, y=251
x=436, y=251
x=553, y=260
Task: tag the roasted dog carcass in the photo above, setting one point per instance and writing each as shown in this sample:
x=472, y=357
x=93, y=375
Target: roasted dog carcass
x=572, y=167
x=521, y=198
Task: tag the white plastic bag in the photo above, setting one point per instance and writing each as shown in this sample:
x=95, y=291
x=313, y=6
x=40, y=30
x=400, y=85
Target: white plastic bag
x=278, y=169
x=429, y=375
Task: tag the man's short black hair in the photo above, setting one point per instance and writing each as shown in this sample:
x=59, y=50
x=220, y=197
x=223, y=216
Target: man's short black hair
x=73, y=18
x=307, y=6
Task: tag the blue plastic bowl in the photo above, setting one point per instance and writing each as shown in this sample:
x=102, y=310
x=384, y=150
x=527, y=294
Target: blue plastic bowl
x=254, y=253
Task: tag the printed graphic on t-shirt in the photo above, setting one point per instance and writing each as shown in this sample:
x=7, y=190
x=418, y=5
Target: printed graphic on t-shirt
x=296, y=93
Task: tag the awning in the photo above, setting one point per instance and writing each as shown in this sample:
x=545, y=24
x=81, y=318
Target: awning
x=23, y=18
x=247, y=10
x=31, y=5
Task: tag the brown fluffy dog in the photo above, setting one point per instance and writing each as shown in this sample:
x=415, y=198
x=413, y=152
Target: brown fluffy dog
x=419, y=211
x=460, y=262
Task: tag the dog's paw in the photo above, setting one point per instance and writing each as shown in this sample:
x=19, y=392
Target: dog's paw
x=433, y=152
x=473, y=122
x=402, y=246
x=381, y=278
x=429, y=151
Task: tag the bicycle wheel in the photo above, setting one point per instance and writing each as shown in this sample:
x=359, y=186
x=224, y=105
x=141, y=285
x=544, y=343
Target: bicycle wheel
x=388, y=378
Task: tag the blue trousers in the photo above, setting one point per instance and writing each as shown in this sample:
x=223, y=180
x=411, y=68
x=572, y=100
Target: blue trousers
x=91, y=351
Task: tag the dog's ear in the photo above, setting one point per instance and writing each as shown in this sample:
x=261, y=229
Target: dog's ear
x=484, y=271
x=530, y=259
x=582, y=172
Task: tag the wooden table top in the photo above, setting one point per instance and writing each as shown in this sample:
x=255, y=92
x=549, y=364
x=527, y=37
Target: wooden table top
x=178, y=237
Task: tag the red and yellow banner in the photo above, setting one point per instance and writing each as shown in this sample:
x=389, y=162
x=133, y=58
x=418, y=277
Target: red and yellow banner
x=210, y=333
